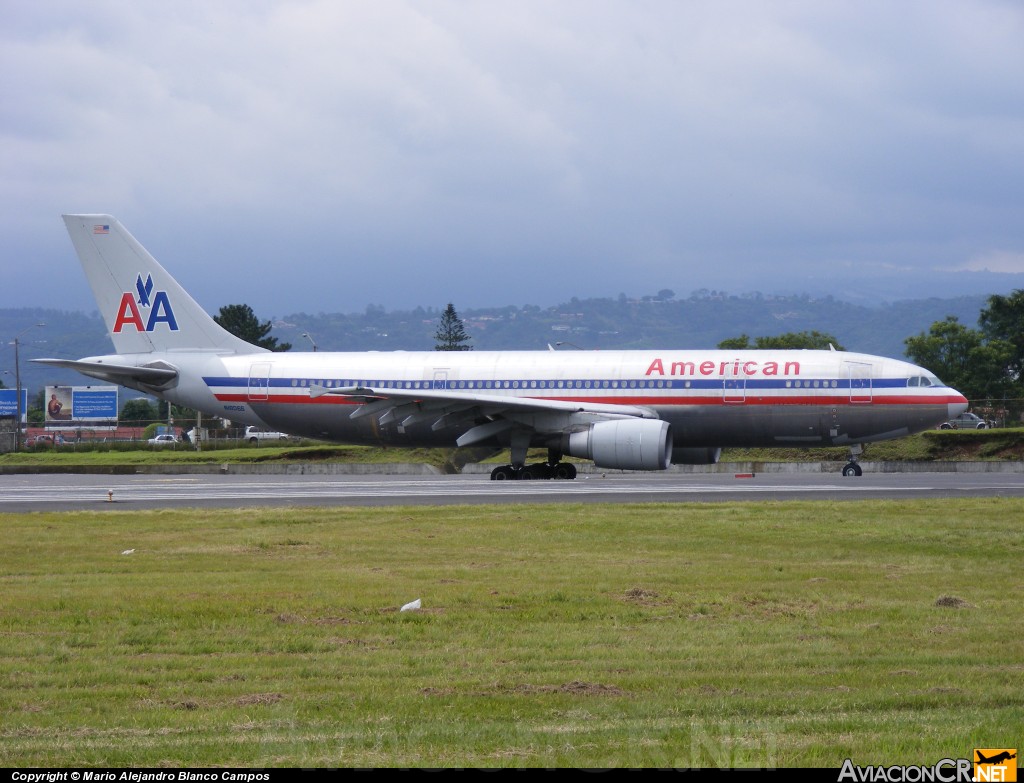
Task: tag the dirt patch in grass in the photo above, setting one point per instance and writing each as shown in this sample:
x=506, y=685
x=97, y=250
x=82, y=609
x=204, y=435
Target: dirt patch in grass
x=952, y=602
x=259, y=699
x=575, y=687
x=249, y=700
x=638, y=595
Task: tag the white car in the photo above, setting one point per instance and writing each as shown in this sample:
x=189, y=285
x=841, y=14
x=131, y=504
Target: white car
x=966, y=421
x=163, y=440
x=256, y=435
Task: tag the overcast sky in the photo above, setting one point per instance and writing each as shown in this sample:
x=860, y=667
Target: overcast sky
x=321, y=155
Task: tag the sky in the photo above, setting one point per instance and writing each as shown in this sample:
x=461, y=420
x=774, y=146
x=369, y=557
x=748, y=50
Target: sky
x=321, y=155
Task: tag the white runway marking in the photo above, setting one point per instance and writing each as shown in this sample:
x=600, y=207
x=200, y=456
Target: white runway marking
x=40, y=492
x=178, y=489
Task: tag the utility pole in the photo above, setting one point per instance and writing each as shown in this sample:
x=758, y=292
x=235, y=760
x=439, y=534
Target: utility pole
x=17, y=385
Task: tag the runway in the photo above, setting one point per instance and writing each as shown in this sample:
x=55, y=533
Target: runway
x=64, y=492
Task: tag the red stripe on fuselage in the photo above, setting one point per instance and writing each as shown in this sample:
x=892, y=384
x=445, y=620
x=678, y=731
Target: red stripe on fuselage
x=749, y=399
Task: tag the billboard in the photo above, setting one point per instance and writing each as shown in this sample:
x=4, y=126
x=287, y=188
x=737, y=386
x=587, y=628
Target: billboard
x=80, y=405
x=9, y=404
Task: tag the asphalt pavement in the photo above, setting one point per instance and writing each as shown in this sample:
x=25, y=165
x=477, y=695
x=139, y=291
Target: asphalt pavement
x=65, y=492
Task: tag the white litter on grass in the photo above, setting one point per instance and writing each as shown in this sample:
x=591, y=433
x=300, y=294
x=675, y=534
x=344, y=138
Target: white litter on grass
x=412, y=606
x=127, y=551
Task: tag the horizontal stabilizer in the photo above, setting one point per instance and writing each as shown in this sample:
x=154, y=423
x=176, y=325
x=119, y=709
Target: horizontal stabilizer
x=116, y=373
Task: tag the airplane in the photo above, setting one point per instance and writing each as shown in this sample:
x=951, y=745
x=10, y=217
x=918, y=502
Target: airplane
x=996, y=759
x=630, y=410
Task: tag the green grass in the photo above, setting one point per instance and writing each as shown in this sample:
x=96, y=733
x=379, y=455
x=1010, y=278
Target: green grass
x=933, y=445
x=131, y=454
x=999, y=444
x=778, y=634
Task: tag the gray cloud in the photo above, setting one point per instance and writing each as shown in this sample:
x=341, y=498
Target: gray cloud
x=322, y=155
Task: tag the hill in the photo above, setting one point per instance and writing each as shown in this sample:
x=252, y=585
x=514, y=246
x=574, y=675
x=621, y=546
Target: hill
x=700, y=321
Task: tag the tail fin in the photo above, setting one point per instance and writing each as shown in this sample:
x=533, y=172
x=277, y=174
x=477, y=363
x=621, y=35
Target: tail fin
x=143, y=306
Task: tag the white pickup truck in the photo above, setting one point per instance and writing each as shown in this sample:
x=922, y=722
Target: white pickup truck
x=257, y=435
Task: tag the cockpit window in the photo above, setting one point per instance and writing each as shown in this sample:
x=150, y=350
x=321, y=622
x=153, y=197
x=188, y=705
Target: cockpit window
x=924, y=380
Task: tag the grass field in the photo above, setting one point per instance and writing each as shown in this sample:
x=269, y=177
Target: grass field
x=778, y=634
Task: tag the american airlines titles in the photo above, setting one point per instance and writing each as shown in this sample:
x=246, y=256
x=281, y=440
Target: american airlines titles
x=732, y=368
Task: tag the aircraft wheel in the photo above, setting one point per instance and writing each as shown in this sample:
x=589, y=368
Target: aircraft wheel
x=502, y=473
x=852, y=469
x=565, y=470
x=542, y=470
x=525, y=474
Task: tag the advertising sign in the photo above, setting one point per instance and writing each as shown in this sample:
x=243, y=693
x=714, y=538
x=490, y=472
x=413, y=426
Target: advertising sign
x=92, y=403
x=80, y=405
x=9, y=404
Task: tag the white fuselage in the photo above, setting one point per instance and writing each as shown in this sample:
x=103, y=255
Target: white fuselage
x=710, y=398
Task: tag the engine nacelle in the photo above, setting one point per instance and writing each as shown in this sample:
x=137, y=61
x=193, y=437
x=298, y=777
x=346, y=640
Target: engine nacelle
x=694, y=455
x=626, y=444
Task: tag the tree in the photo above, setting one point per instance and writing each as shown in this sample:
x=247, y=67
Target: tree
x=795, y=340
x=138, y=413
x=37, y=408
x=790, y=340
x=241, y=321
x=961, y=357
x=1003, y=319
x=451, y=334
x=740, y=343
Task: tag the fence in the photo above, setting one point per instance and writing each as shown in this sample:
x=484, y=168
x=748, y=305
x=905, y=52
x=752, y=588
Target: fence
x=37, y=437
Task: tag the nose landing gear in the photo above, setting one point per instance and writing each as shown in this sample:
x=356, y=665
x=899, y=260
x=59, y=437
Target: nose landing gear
x=852, y=468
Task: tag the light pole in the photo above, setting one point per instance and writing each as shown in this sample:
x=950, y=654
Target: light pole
x=309, y=337
x=17, y=386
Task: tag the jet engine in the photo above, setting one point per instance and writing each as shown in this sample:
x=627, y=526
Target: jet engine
x=694, y=455
x=626, y=444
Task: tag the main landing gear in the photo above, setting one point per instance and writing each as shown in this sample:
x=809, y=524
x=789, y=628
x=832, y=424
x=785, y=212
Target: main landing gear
x=851, y=468
x=539, y=470
x=554, y=468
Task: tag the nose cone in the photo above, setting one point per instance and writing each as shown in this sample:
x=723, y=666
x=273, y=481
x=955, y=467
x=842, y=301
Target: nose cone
x=958, y=407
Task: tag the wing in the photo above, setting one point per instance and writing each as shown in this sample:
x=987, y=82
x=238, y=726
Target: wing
x=448, y=408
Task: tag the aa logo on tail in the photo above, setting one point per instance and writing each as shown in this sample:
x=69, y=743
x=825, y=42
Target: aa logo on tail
x=995, y=764
x=158, y=305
